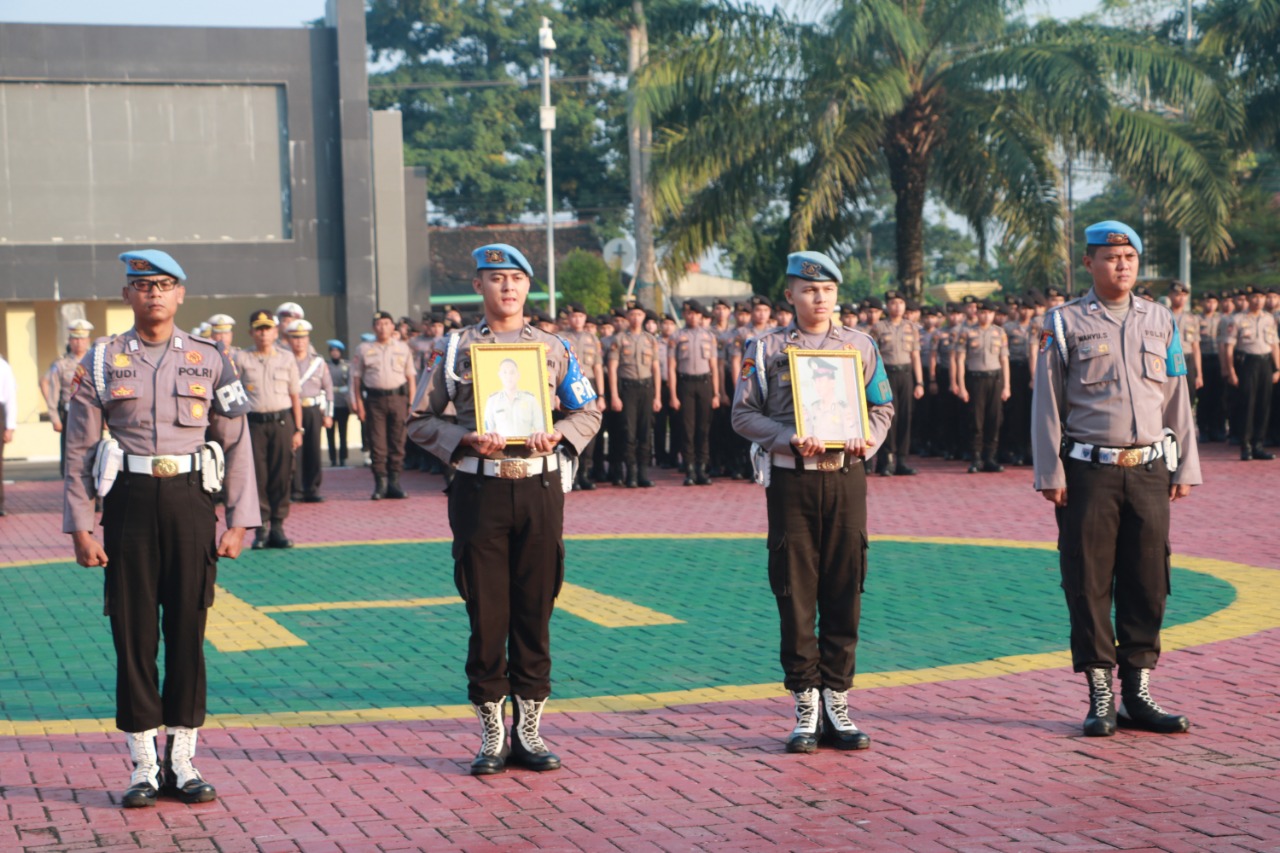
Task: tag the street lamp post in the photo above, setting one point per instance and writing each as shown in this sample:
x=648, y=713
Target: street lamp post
x=1184, y=242
x=547, y=120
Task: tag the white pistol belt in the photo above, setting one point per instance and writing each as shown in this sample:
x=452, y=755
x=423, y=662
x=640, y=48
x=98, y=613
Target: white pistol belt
x=162, y=466
x=1125, y=457
x=821, y=462
x=509, y=469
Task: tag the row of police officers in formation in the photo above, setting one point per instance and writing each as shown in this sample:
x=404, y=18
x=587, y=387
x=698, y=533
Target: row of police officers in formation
x=1112, y=438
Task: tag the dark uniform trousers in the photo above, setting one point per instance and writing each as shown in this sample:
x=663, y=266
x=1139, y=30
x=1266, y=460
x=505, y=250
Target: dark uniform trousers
x=694, y=393
x=62, y=440
x=985, y=410
x=1015, y=435
x=898, y=439
x=942, y=421
x=1254, y=373
x=1113, y=536
x=1210, y=412
x=385, y=414
x=161, y=557
x=306, y=464
x=817, y=568
x=508, y=567
x=637, y=421
x=272, y=437
x=607, y=447
x=2, y=423
x=668, y=440
x=338, y=451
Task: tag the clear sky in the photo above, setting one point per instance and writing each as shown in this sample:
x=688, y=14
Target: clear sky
x=273, y=13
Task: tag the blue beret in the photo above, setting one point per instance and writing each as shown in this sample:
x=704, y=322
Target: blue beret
x=336, y=344
x=152, y=262
x=814, y=266
x=500, y=256
x=368, y=336
x=1112, y=233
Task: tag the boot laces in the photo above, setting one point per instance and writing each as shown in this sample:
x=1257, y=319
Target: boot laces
x=838, y=710
x=146, y=766
x=806, y=711
x=492, y=731
x=1100, y=693
x=182, y=753
x=530, y=717
x=1144, y=691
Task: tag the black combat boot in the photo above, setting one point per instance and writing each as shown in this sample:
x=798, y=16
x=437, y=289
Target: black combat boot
x=144, y=784
x=277, y=539
x=701, y=477
x=527, y=747
x=260, y=538
x=690, y=476
x=837, y=729
x=379, y=488
x=1101, y=721
x=494, y=747
x=393, y=487
x=804, y=737
x=182, y=779
x=1260, y=453
x=642, y=476
x=1139, y=711
x=991, y=466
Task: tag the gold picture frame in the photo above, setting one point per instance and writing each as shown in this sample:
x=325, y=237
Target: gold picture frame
x=833, y=411
x=515, y=403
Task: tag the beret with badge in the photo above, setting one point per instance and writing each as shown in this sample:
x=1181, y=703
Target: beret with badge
x=151, y=262
x=500, y=256
x=813, y=266
x=1112, y=233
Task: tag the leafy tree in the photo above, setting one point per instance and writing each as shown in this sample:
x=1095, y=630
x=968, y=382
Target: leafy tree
x=585, y=278
x=465, y=76
x=1244, y=35
x=948, y=98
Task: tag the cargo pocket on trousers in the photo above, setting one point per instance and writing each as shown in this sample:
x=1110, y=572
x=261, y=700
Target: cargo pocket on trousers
x=1168, y=572
x=460, y=570
x=210, y=575
x=862, y=560
x=559, y=570
x=779, y=567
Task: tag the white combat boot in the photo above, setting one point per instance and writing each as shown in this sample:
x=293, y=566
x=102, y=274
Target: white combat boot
x=184, y=780
x=144, y=784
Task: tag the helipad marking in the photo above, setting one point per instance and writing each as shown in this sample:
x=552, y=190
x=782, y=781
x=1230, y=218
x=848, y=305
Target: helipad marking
x=236, y=625
x=608, y=611
x=359, y=605
x=1253, y=610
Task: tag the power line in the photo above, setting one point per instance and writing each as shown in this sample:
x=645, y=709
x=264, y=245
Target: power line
x=485, y=84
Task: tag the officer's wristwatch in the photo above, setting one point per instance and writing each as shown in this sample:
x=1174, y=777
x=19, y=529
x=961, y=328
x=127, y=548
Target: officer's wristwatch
x=300, y=429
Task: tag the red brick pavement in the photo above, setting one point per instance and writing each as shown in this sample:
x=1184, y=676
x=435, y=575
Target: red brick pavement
x=990, y=764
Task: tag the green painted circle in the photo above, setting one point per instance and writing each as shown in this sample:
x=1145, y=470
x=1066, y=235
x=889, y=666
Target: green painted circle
x=925, y=605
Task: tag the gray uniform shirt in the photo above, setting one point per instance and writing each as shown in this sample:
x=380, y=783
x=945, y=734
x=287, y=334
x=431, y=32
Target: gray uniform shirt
x=269, y=378
x=1251, y=334
x=1020, y=337
x=635, y=353
x=1121, y=386
x=315, y=382
x=61, y=375
x=154, y=410
x=768, y=418
x=442, y=437
x=982, y=349
x=897, y=341
x=694, y=349
x=381, y=366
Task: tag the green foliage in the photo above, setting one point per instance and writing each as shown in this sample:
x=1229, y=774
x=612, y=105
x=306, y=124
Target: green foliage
x=585, y=278
x=481, y=143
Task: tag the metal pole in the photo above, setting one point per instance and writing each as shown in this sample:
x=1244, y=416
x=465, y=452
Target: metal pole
x=1184, y=242
x=548, y=122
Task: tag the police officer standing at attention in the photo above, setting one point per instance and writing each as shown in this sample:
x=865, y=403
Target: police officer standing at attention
x=506, y=511
x=270, y=376
x=635, y=377
x=221, y=329
x=982, y=372
x=1251, y=357
x=899, y=342
x=340, y=379
x=157, y=390
x=58, y=383
x=1114, y=446
x=316, y=391
x=383, y=370
x=694, y=381
x=817, y=505
x=586, y=346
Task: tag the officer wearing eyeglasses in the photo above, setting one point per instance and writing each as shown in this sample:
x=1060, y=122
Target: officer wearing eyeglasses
x=157, y=389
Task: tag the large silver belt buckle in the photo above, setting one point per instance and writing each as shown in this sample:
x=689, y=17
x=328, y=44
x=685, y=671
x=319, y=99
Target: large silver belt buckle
x=164, y=466
x=1130, y=457
x=513, y=469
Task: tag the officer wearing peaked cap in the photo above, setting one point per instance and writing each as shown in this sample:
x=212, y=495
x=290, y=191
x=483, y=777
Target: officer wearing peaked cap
x=58, y=383
x=157, y=389
x=506, y=511
x=1114, y=446
x=382, y=384
x=316, y=392
x=1251, y=360
x=221, y=329
x=816, y=501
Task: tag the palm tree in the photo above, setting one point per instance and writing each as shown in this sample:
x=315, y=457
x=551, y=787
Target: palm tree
x=1245, y=34
x=947, y=99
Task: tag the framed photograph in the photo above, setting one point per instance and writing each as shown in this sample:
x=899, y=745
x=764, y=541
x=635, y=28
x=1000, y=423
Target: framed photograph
x=829, y=396
x=511, y=391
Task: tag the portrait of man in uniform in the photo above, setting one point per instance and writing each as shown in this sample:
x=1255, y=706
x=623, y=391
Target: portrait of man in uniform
x=510, y=382
x=828, y=403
